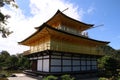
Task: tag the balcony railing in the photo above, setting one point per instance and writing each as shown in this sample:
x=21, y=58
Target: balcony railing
x=65, y=47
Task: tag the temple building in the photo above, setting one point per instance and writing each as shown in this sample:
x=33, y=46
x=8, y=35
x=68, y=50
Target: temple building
x=61, y=45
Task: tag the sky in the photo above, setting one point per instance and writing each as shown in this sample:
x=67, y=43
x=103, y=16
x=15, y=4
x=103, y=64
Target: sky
x=33, y=13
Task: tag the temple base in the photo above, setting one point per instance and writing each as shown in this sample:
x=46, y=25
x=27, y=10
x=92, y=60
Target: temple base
x=77, y=75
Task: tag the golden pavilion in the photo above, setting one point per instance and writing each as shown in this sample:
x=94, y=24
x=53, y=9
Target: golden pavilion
x=60, y=46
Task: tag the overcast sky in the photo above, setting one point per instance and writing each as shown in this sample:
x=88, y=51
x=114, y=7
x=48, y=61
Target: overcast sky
x=32, y=13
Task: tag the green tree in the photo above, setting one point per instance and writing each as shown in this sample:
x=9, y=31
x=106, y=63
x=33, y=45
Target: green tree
x=4, y=55
x=108, y=50
x=13, y=62
x=3, y=18
x=117, y=55
x=109, y=64
x=23, y=62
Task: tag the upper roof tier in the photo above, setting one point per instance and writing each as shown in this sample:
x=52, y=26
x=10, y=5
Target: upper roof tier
x=46, y=29
x=61, y=19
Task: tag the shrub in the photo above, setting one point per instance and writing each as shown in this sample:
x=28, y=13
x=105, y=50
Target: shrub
x=51, y=77
x=103, y=78
x=63, y=77
x=67, y=77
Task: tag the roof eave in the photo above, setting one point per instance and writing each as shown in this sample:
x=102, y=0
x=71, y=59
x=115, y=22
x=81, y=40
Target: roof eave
x=41, y=27
x=106, y=42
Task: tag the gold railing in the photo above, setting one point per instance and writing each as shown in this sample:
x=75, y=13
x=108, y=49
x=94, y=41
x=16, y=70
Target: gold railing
x=40, y=47
x=67, y=47
x=75, y=48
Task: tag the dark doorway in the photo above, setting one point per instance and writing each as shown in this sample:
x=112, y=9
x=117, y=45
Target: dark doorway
x=34, y=65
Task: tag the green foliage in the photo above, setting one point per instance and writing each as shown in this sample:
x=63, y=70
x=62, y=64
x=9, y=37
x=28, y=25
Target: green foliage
x=13, y=62
x=67, y=77
x=51, y=77
x=109, y=51
x=118, y=78
x=4, y=55
x=3, y=18
x=111, y=78
x=117, y=55
x=23, y=60
x=109, y=64
x=63, y=77
x=102, y=62
x=103, y=79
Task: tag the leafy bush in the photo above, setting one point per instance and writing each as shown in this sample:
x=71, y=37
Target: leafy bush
x=109, y=65
x=67, y=77
x=103, y=79
x=63, y=77
x=51, y=77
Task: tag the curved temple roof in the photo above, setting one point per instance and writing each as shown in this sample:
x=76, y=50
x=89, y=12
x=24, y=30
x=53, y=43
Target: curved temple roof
x=56, y=30
x=63, y=19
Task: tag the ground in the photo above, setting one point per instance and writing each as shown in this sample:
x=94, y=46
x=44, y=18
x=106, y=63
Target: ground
x=22, y=76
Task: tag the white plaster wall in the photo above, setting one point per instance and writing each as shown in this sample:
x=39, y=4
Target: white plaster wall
x=45, y=56
x=46, y=65
x=40, y=57
x=33, y=58
x=39, y=65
